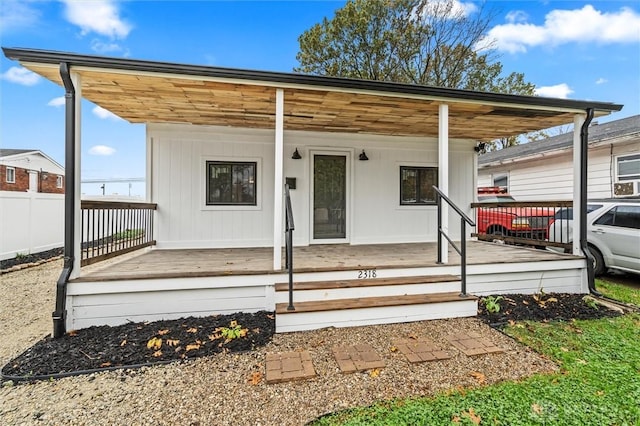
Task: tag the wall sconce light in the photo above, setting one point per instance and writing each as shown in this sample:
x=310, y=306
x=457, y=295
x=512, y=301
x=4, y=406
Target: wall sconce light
x=296, y=155
x=363, y=156
x=480, y=147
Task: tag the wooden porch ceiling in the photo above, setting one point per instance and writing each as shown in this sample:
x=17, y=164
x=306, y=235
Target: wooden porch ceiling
x=147, y=98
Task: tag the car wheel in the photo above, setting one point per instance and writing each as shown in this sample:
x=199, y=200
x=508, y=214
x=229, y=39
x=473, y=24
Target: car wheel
x=598, y=261
x=497, y=231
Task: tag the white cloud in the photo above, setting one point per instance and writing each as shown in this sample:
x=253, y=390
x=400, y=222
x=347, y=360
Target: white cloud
x=102, y=47
x=15, y=14
x=21, y=75
x=103, y=150
x=57, y=102
x=516, y=16
x=561, y=90
x=99, y=16
x=105, y=114
x=449, y=8
x=601, y=80
x=586, y=25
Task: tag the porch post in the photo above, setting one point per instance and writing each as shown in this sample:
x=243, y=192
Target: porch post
x=77, y=232
x=443, y=174
x=277, y=182
x=578, y=120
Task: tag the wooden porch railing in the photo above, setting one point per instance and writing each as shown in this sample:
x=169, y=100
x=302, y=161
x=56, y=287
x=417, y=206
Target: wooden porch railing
x=111, y=228
x=533, y=223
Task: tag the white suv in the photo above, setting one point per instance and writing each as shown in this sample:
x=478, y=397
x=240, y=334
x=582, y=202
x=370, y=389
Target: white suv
x=613, y=233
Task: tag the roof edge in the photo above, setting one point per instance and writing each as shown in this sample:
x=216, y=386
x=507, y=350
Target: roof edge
x=74, y=59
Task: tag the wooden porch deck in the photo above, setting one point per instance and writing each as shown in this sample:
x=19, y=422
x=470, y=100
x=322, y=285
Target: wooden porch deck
x=158, y=263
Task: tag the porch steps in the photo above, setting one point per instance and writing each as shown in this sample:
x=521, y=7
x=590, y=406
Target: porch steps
x=341, y=303
x=346, y=289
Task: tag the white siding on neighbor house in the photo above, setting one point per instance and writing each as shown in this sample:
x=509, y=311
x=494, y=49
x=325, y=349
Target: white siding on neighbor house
x=374, y=215
x=551, y=177
x=30, y=222
x=32, y=162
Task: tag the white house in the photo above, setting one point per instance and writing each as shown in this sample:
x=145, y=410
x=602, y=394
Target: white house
x=543, y=170
x=31, y=202
x=361, y=159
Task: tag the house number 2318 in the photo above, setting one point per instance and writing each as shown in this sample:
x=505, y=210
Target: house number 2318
x=367, y=273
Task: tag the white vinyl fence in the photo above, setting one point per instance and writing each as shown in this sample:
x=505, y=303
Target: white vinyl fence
x=30, y=222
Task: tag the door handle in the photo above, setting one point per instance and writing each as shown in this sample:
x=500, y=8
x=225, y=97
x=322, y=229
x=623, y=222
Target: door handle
x=599, y=231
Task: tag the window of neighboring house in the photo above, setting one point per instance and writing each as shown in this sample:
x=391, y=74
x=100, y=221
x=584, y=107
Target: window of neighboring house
x=58, y=181
x=501, y=181
x=231, y=183
x=628, y=167
x=621, y=216
x=11, y=175
x=416, y=185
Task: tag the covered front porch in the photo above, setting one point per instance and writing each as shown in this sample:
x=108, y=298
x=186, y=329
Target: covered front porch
x=333, y=285
x=220, y=146
x=199, y=263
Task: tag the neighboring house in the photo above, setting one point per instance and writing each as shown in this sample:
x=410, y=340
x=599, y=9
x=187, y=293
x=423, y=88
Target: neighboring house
x=361, y=159
x=543, y=170
x=31, y=202
x=30, y=170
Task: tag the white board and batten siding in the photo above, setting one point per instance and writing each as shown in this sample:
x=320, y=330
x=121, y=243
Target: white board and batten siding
x=30, y=222
x=178, y=155
x=551, y=177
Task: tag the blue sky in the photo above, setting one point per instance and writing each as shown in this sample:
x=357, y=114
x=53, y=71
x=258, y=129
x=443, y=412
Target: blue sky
x=568, y=49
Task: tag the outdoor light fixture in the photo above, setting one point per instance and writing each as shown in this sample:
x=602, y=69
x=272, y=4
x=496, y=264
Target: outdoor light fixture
x=363, y=156
x=296, y=155
x=480, y=147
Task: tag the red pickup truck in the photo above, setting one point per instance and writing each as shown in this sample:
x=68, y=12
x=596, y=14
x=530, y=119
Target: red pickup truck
x=508, y=221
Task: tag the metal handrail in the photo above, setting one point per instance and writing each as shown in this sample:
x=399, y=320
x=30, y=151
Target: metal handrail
x=289, y=228
x=462, y=250
x=111, y=228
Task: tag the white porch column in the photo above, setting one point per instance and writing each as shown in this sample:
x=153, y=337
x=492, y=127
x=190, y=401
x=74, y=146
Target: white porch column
x=77, y=232
x=277, y=182
x=578, y=121
x=443, y=173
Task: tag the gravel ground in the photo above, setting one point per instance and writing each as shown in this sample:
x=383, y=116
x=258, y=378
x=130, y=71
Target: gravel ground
x=219, y=389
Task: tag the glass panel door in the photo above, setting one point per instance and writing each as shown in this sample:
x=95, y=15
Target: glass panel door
x=329, y=196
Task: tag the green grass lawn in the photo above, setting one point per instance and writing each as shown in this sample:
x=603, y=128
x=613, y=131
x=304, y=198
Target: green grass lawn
x=619, y=292
x=599, y=384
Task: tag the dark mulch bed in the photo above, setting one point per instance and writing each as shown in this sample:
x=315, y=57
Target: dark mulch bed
x=31, y=258
x=542, y=307
x=131, y=344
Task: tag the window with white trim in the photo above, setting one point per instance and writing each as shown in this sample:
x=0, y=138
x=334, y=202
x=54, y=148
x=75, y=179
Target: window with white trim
x=628, y=167
x=501, y=181
x=416, y=185
x=231, y=183
x=11, y=175
x=58, y=181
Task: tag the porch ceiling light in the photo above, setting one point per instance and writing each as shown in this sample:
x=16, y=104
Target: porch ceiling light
x=296, y=155
x=363, y=156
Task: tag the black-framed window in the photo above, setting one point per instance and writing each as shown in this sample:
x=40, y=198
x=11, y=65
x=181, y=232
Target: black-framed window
x=416, y=185
x=231, y=183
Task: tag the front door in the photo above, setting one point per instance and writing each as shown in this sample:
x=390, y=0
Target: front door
x=329, y=192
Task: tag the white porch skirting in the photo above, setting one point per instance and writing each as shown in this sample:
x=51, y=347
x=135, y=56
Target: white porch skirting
x=119, y=302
